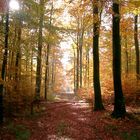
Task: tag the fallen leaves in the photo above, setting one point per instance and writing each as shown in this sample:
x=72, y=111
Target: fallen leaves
x=75, y=121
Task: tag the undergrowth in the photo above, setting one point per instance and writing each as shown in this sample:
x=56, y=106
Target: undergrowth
x=19, y=131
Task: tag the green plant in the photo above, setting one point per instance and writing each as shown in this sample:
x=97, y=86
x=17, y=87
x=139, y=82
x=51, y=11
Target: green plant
x=133, y=135
x=20, y=131
x=61, y=128
x=111, y=128
x=51, y=97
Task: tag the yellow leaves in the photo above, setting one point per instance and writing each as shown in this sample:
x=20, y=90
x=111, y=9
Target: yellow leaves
x=136, y=6
x=136, y=11
x=135, y=2
x=133, y=6
x=116, y=1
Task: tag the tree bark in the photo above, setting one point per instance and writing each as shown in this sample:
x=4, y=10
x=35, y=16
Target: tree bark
x=4, y=64
x=119, y=104
x=127, y=59
x=81, y=56
x=40, y=42
x=47, y=71
x=137, y=47
x=74, y=69
x=47, y=57
x=88, y=68
x=18, y=54
x=77, y=70
x=98, y=105
x=11, y=65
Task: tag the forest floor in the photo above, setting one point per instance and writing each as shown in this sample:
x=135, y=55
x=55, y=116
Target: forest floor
x=71, y=119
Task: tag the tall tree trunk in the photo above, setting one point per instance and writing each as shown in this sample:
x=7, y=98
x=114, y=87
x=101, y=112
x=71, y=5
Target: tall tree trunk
x=98, y=105
x=4, y=64
x=53, y=64
x=81, y=50
x=47, y=71
x=11, y=65
x=40, y=42
x=137, y=47
x=126, y=55
x=88, y=68
x=78, y=54
x=47, y=56
x=119, y=104
x=130, y=59
x=74, y=69
x=77, y=70
x=31, y=65
x=18, y=55
x=81, y=56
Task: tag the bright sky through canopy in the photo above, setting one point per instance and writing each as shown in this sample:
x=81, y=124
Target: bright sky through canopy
x=14, y=5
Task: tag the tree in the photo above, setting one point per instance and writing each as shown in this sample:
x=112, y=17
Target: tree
x=98, y=105
x=119, y=104
x=18, y=53
x=48, y=53
x=137, y=46
x=4, y=64
x=40, y=42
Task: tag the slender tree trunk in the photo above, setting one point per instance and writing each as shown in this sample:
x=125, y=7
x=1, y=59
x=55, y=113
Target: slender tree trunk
x=74, y=71
x=53, y=64
x=47, y=80
x=11, y=65
x=81, y=50
x=47, y=72
x=18, y=54
x=27, y=60
x=77, y=70
x=137, y=47
x=40, y=42
x=88, y=69
x=126, y=55
x=119, y=104
x=54, y=77
x=78, y=55
x=4, y=64
x=98, y=105
x=81, y=56
x=130, y=60
x=31, y=66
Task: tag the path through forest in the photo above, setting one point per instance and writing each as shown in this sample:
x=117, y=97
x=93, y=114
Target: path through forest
x=72, y=119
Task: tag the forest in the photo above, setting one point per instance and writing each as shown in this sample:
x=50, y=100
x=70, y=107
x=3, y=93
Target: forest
x=70, y=70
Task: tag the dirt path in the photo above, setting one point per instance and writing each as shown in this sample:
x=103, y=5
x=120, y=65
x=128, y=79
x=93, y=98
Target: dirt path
x=73, y=120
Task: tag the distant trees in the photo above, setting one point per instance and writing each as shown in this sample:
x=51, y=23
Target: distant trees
x=80, y=28
x=23, y=61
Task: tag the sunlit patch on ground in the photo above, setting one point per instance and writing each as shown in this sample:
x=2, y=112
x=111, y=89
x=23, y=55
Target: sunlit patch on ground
x=54, y=137
x=81, y=118
x=80, y=105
